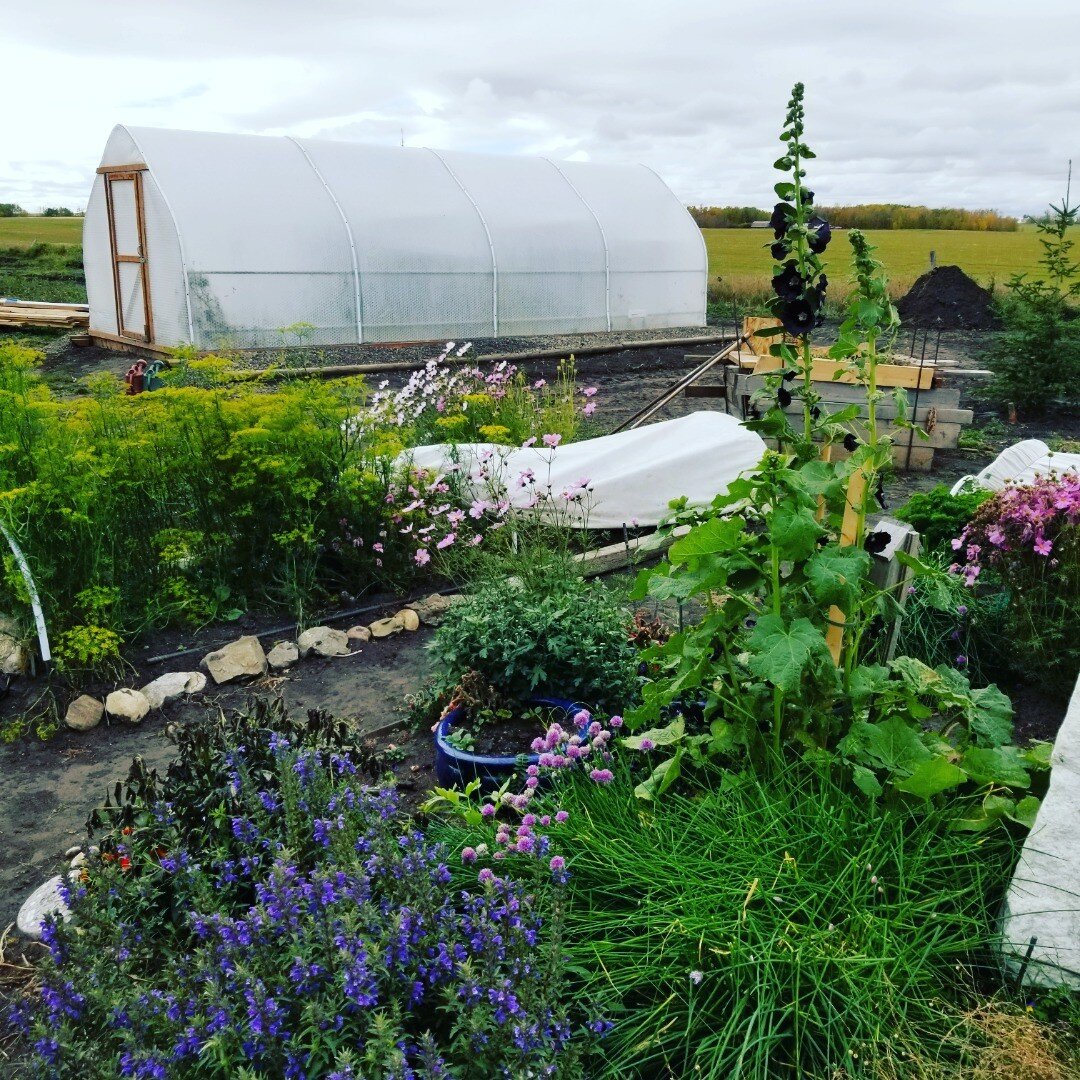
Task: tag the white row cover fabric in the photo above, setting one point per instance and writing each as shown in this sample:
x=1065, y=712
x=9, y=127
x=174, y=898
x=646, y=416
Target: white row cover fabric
x=1022, y=463
x=248, y=236
x=614, y=480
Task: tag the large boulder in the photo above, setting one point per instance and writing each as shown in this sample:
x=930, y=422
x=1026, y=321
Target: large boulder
x=432, y=608
x=173, y=685
x=323, y=641
x=84, y=713
x=128, y=705
x=1042, y=902
x=240, y=659
x=44, y=902
x=385, y=627
x=14, y=659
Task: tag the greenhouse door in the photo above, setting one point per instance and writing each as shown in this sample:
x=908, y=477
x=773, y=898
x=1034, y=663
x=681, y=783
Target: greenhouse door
x=127, y=239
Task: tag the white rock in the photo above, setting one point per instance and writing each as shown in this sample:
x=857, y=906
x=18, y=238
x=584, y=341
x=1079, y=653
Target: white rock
x=432, y=608
x=126, y=704
x=385, y=627
x=44, y=901
x=239, y=659
x=173, y=685
x=283, y=655
x=409, y=619
x=1043, y=901
x=358, y=633
x=84, y=713
x=72, y=851
x=79, y=860
x=323, y=641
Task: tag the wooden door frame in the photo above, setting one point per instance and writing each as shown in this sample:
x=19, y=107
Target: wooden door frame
x=134, y=173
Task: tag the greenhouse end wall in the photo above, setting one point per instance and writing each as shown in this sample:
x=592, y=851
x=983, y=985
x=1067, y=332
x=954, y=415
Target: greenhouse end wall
x=252, y=241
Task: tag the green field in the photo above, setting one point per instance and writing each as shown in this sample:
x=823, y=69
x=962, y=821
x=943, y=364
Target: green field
x=24, y=231
x=741, y=257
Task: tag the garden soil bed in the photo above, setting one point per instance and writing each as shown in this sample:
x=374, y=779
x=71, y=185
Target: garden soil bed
x=49, y=788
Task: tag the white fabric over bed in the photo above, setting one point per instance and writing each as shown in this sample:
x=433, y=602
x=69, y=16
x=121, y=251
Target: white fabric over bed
x=630, y=476
x=1022, y=463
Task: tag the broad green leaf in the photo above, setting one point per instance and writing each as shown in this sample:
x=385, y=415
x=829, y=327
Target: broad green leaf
x=1024, y=812
x=663, y=776
x=866, y=781
x=664, y=736
x=894, y=744
x=795, y=531
x=867, y=681
x=1037, y=755
x=991, y=717
x=716, y=536
x=781, y=653
x=1001, y=765
x=834, y=575
x=931, y=777
x=986, y=815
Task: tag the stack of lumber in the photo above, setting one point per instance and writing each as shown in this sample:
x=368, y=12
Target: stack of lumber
x=933, y=408
x=31, y=314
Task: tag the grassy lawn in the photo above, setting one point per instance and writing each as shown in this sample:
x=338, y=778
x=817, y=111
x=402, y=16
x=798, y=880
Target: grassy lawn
x=24, y=231
x=988, y=257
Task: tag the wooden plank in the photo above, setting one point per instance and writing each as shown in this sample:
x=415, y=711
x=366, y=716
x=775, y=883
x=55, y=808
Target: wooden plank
x=922, y=457
x=835, y=371
x=706, y=391
x=105, y=170
x=837, y=392
x=139, y=347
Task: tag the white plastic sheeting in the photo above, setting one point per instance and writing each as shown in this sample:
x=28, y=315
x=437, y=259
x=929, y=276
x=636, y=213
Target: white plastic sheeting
x=1022, y=463
x=247, y=235
x=623, y=479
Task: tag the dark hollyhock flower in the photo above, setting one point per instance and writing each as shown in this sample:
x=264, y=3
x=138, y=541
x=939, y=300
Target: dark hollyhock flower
x=876, y=542
x=798, y=317
x=815, y=413
x=783, y=398
x=790, y=374
x=781, y=215
x=779, y=250
x=851, y=444
x=879, y=494
x=822, y=234
x=806, y=197
x=788, y=284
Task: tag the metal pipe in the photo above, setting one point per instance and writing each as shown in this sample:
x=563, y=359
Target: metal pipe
x=31, y=588
x=341, y=370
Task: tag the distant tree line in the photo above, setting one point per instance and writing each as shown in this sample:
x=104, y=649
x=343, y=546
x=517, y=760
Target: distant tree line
x=10, y=209
x=866, y=216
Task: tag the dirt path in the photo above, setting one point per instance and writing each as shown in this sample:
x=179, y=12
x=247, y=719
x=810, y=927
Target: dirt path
x=48, y=789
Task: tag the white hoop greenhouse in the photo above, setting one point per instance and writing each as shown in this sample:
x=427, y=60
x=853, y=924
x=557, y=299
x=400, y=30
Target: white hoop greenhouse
x=250, y=241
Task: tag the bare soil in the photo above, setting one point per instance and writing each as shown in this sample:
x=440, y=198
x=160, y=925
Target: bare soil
x=49, y=788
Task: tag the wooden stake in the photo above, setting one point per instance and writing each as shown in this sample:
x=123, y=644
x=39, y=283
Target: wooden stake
x=849, y=529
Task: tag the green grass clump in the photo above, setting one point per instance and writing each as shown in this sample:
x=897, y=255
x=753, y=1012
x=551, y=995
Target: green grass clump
x=771, y=928
x=45, y=272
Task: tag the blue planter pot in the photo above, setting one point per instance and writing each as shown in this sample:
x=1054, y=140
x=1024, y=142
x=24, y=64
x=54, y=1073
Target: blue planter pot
x=456, y=768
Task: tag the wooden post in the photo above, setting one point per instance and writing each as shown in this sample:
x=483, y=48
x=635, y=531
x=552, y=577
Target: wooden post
x=849, y=528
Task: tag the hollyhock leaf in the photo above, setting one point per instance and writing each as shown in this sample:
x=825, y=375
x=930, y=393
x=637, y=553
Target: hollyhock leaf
x=795, y=531
x=1037, y=755
x=665, y=736
x=1025, y=811
x=931, y=778
x=784, y=190
x=783, y=653
x=991, y=717
x=717, y=535
x=806, y=197
x=864, y=779
x=894, y=744
x=1000, y=765
x=663, y=776
x=834, y=575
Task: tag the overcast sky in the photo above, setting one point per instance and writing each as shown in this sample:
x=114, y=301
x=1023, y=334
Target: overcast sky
x=972, y=103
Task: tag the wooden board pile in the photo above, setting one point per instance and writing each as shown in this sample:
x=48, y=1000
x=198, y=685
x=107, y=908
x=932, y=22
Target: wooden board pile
x=934, y=408
x=31, y=314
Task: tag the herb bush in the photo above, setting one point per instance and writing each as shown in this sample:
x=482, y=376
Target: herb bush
x=549, y=632
x=939, y=516
x=209, y=497
x=263, y=911
x=1028, y=539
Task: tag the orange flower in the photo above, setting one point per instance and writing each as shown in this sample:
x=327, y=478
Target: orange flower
x=125, y=863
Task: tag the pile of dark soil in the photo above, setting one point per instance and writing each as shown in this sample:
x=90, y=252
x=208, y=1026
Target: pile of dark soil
x=946, y=297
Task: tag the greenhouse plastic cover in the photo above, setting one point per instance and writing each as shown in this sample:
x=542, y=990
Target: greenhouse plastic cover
x=249, y=236
x=631, y=476
x=1022, y=463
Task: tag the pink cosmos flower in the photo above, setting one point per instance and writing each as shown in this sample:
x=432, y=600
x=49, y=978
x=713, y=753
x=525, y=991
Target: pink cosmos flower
x=422, y=558
x=589, y=391
x=552, y=440
x=446, y=541
x=530, y=441
x=589, y=409
x=1042, y=546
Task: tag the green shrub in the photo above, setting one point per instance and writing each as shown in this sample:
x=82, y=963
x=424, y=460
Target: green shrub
x=939, y=516
x=553, y=633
